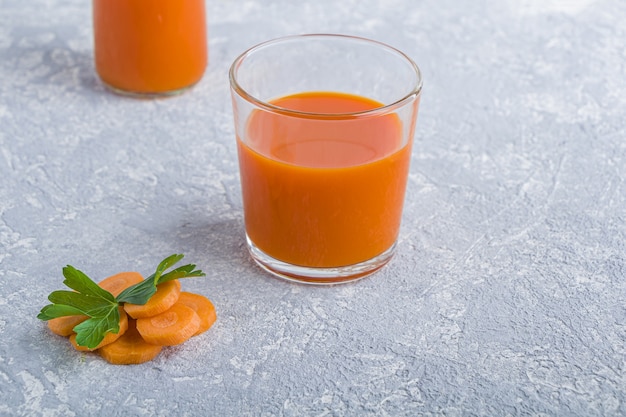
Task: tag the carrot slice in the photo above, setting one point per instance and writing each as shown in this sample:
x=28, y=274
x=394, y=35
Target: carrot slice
x=108, y=338
x=130, y=349
x=172, y=327
x=165, y=297
x=203, y=307
x=64, y=326
x=117, y=283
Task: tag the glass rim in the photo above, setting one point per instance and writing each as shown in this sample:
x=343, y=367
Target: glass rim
x=415, y=91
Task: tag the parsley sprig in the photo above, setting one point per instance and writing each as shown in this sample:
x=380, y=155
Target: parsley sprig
x=100, y=305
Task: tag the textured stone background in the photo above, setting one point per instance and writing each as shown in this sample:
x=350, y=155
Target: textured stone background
x=507, y=296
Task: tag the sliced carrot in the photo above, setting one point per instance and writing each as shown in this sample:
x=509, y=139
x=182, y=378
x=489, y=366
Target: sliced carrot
x=203, y=307
x=165, y=297
x=130, y=349
x=117, y=283
x=64, y=326
x=108, y=338
x=172, y=327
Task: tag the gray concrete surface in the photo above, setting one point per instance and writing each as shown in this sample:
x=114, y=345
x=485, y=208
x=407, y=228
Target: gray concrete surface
x=506, y=297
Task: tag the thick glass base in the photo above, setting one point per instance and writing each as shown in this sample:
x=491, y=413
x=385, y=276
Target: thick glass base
x=147, y=95
x=319, y=276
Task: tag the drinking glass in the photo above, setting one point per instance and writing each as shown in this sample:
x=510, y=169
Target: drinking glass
x=150, y=48
x=324, y=127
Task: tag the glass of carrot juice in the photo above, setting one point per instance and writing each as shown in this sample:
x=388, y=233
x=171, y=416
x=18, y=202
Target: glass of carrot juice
x=324, y=127
x=150, y=48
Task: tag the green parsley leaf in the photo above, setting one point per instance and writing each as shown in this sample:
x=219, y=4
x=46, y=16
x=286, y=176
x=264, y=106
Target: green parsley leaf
x=165, y=264
x=140, y=293
x=86, y=304
x=91, y=332
x=88, y=299
x=52, y=311
x=80, y=282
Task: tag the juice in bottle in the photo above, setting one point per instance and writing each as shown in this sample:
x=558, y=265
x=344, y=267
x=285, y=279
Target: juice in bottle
x=150, y=47
x=323, y=191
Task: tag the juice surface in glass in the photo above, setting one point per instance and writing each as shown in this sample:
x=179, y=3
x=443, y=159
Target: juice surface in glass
x=150, y=46
x=323, y=191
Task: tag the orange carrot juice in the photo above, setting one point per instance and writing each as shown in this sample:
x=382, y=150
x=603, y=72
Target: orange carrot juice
x=150, y=46
x=323, y=191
